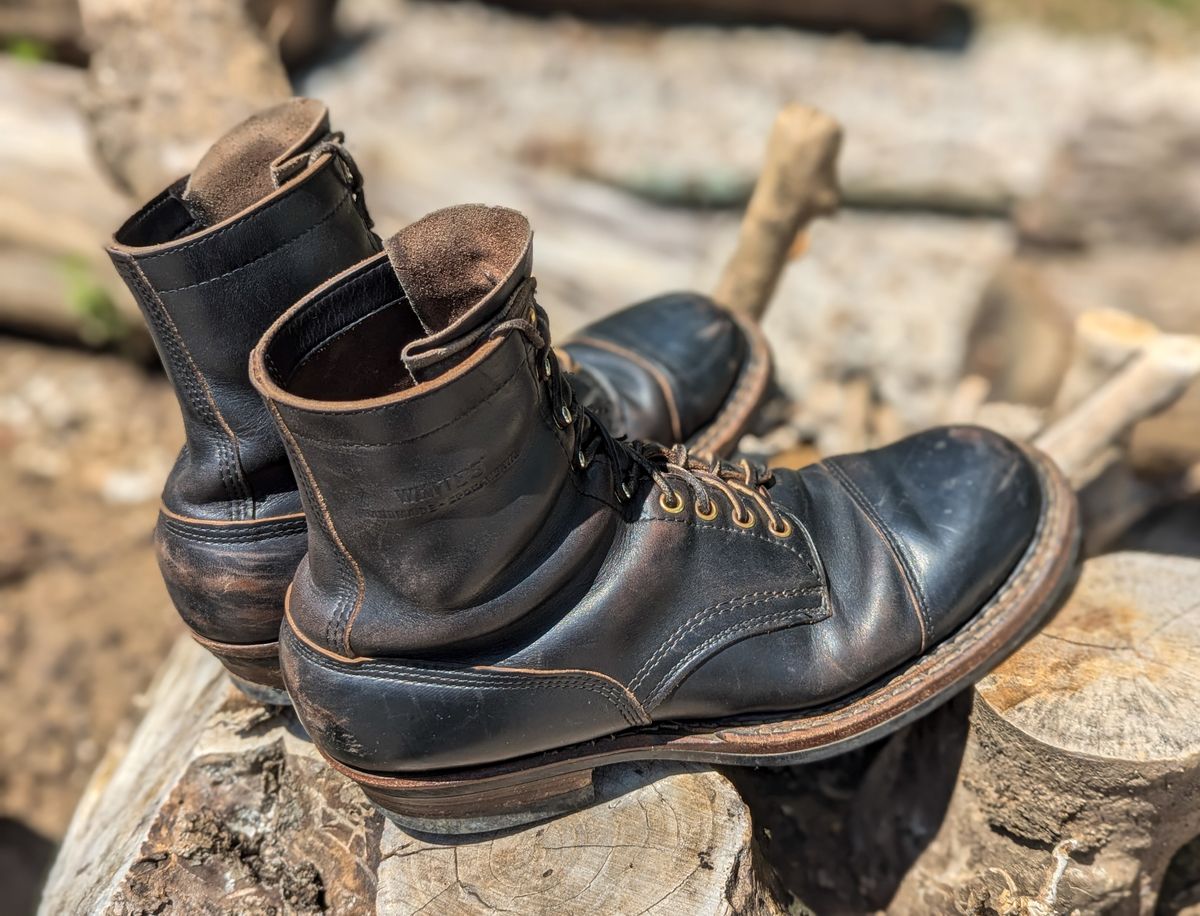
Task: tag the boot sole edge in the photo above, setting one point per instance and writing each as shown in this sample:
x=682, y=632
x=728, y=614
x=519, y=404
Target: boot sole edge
x=253, y=668
x=721, y=434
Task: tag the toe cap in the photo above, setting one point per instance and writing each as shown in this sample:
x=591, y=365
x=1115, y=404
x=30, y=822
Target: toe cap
x=958, y=506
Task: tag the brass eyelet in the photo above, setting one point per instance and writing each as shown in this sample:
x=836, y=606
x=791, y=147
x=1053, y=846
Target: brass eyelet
x=750, y=520
x=712, y=511
x=533, y=316
x=564, y=414
x=581, y=460
x=625, y=494
x=676, y=504
x=546, y=368
x=783, y=532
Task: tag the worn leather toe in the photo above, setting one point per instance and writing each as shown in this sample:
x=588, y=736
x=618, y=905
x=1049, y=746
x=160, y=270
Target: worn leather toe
x=953, y=509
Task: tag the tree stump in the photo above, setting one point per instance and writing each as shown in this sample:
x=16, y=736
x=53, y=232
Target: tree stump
x=217, y=805
x=1080, y=775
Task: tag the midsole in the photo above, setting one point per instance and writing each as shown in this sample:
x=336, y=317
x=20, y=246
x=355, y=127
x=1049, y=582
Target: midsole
x=254, y=662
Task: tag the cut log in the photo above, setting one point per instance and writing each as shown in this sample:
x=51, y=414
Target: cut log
x=1022, y=334
x=217, y=805
x=1153, y=380
x=1080, y=776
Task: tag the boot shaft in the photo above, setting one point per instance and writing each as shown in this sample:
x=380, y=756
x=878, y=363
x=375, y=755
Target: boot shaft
x=437, y=505
x=271, y=212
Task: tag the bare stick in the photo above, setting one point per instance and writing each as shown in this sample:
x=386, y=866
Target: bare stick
x=1105, y=340
x=798, y=183
x=1149, y=384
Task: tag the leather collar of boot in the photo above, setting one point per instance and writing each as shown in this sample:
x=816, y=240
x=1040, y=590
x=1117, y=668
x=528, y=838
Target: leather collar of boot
x=188, y=255
x=426, y=358
x=335, y=306
x=228, y=207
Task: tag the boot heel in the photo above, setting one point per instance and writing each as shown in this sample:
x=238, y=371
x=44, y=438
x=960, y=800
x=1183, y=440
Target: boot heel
x=486, y=808
x=260, y=693
x=254, y=669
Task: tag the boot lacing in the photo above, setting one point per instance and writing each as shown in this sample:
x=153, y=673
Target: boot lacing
x=630, y=460
x=332, y=144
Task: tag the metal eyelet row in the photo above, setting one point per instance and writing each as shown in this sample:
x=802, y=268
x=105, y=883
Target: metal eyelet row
x=672, y=502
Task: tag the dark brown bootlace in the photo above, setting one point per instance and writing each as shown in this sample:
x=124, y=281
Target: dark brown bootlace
x=333, y=144
x=630, y=460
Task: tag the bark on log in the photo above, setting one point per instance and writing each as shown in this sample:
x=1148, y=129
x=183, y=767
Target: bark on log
x=1080, y=777
x=217, y=805
x=167, y=79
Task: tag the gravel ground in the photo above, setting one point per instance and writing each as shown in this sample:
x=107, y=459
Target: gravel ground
x=85, y=442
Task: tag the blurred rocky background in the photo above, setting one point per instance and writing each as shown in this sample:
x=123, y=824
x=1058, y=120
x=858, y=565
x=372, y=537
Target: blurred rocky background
x=1007, y=165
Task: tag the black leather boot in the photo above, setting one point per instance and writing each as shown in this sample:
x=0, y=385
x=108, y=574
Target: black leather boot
x=272, y=210
x=499, y=596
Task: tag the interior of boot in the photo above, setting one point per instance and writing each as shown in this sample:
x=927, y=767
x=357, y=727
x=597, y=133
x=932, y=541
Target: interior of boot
x=346, y=344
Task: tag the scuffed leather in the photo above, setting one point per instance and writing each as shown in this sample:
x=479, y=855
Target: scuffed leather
x=228, y=581
x=673, y=360
x=460, y=563
x=207, y=297
x=231, y=536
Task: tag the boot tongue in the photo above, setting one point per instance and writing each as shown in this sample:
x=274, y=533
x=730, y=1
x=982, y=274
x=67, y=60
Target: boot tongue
x=243, y=166
x=458, y=268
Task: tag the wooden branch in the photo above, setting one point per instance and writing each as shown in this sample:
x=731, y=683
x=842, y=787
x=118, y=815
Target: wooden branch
x=219, y=805
x=1080, y=773
x=1150, y=383
x=798, y=183
x=1104, y=341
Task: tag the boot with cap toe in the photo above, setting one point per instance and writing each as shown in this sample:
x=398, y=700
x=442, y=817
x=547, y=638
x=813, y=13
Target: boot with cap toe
x=500, y=595
x=272, y=210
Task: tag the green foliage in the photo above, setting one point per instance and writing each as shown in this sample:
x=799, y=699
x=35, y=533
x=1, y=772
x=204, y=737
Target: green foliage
x=101, y=323
x=28, y=49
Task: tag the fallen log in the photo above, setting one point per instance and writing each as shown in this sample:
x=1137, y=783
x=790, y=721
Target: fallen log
x=56, y=209
x=219, y=805
x=913, y=20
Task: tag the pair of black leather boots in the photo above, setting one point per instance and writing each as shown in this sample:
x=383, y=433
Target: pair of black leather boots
x=458, y=548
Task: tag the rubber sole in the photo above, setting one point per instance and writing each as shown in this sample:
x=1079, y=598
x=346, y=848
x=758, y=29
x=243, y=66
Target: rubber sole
x=537, y=786
x=720, y=435
x=253, y=668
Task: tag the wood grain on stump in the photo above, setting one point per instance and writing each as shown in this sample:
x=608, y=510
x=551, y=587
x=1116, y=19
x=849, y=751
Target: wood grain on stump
x=217, y=805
